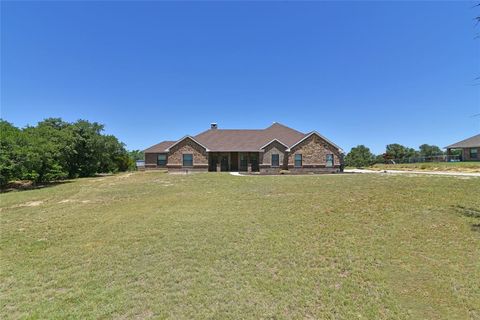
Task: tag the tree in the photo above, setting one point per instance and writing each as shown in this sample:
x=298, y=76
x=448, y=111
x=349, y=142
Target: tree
x=55, y=149
x=11, y=139
x=427, y=150
x=359, y=156
x=136, y=155
x=399, y=153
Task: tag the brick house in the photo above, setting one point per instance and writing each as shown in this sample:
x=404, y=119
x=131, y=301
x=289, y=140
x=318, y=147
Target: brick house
x=268, y=150
x=469, y=148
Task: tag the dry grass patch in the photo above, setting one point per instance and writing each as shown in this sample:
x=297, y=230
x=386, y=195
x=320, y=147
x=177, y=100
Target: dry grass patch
x=472, y=167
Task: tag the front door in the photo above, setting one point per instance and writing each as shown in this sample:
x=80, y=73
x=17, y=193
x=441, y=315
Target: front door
x=212, y=162
x=224, y=163
x=234, y=161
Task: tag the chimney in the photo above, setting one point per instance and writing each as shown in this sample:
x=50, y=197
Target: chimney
x=213, y=126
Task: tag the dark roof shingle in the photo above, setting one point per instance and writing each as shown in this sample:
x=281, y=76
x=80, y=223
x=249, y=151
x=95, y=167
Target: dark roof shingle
x=159, y=147
x=243, y=140
x=247, y=140
x=471, y=142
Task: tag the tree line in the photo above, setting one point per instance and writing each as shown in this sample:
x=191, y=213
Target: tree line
x=55, y=149
x=360, y=156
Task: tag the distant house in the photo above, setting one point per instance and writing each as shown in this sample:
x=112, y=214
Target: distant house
x=469, y=148
x=268, y=150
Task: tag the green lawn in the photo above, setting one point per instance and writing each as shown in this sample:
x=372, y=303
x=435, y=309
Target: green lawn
x=432, y=166
x=154, y=245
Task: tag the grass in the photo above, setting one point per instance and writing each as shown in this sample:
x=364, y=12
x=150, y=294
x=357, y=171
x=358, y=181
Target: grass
x=431, y=166
x=153, y=245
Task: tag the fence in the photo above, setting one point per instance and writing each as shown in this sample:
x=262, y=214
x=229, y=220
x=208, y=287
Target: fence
x=437, y=158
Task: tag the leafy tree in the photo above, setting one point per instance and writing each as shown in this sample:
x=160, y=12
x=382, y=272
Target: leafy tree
x=381, y=158
x=136, y=155
x=55, y=149
x=427, y=150
x=11, y=139
x=399, y=153
x=359, y=156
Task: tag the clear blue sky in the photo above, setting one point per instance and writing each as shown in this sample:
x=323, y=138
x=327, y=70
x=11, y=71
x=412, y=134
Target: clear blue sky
x=368, y=73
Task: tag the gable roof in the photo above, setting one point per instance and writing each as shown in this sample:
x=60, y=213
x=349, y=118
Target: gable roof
x=268, y=143
x=317, y=134
x=159, y=147
x=247, y=140
x=187, y=137
x=471, y=142
x=241, y=140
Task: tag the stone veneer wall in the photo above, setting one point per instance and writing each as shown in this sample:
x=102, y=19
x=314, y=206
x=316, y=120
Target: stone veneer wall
x=266, y=157
x=200, y=156
x=274, y=148
x=314, y=150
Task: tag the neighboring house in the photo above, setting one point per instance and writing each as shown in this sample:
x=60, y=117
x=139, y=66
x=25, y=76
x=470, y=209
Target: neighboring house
x=469, y=147
x=267, y=150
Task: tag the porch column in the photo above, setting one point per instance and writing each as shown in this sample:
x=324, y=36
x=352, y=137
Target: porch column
x=219, y=168
x=249, y=167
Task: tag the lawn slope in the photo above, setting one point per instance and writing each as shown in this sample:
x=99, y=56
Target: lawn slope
x=154, y=245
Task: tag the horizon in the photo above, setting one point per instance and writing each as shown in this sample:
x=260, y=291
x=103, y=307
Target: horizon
x=358, y=73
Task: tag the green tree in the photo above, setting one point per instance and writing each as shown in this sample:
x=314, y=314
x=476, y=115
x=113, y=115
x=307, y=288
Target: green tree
x=55, y=149
x=399, y=153
x=359, y=156
x=427, y=150
x=136, y=155
x=11, y=140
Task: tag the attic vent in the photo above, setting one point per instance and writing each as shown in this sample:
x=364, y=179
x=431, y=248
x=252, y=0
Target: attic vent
x=213, y=126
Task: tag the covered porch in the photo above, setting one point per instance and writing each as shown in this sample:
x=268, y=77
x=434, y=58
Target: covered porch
x=233, y=161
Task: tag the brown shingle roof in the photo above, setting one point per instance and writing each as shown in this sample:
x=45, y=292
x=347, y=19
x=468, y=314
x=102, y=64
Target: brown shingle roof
x=159, y=147
x=239, y=140
x=471, y=142
x=247, y=140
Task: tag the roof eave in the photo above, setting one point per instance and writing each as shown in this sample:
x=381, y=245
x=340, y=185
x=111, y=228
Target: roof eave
x=187, y=137
x=318, y=134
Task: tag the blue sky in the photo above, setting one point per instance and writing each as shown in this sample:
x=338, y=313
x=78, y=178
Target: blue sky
x=368, y=73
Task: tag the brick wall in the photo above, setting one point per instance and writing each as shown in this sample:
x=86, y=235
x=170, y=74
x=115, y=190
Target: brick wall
x=314, y=152
x=274, y=148
x=175, y=156
x=150, y=159
x=466, y=154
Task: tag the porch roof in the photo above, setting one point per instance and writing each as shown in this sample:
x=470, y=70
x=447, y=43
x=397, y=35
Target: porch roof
x=471, y=142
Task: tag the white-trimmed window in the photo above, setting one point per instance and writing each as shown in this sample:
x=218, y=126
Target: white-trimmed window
x=298, y=160
x=188, y=160
x=329, y=160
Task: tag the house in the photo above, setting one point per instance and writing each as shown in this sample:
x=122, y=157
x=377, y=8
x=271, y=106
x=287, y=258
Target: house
x=469, y=148
x=268, y=150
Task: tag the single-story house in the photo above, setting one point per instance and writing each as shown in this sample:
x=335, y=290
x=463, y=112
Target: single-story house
x=268, y=150
x=469, y=147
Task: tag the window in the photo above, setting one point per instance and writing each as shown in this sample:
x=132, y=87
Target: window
x=275, y=160
x=329, y=160
x=162, y=159
x=298, y=160
x=473, y=153
x=188, y=160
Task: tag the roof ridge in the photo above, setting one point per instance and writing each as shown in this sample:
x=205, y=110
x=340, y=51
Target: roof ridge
x=278, y=124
